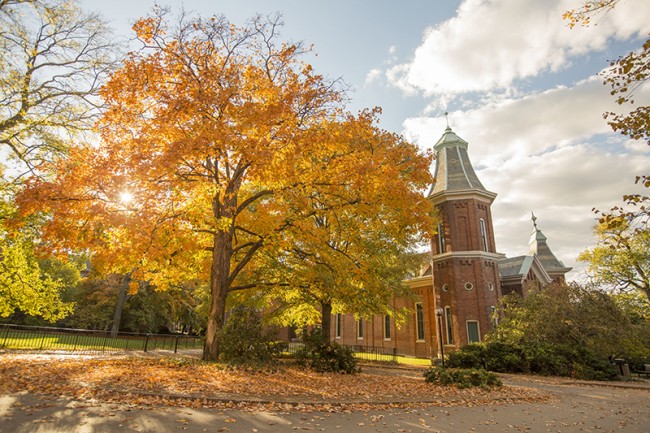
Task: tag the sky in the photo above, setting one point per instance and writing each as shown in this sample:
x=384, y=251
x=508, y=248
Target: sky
x=519, y=85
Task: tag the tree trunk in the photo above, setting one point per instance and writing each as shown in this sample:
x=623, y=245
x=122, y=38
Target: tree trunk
x=119, y=307
x=219, y=274
x=326, y=320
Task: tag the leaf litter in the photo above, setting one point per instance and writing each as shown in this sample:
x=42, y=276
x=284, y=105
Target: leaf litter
x=148, y=381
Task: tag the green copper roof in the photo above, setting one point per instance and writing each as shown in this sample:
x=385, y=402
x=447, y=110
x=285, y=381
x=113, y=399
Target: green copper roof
x=454, y=171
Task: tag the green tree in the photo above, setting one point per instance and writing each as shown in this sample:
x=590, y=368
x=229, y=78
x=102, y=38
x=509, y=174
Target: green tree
x=24, y=287
x=621, y=259
x=342, y=262
x=567, y=316
x=53, y=58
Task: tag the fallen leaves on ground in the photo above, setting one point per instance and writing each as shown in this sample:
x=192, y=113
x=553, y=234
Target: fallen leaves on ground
x=161, y=381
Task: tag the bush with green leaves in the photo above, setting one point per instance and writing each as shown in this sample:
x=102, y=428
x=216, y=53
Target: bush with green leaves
x=246, y=342
x=462, y=377
x=533, y=357
x=322, y=355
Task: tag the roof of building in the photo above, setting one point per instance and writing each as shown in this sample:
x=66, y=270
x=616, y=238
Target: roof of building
x=540, y=248
x=516, y=269
x=454, y=170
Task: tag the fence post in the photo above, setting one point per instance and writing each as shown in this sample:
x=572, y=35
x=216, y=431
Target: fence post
x=176, y=344
x=74, y=345
x=146, y=341
x=42, y=340
x=4, y=341
x=104, y=343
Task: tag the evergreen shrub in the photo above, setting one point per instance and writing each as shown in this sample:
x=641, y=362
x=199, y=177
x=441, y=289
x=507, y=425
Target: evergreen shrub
x=322, y=355
x=462, y=377
x=539, y=358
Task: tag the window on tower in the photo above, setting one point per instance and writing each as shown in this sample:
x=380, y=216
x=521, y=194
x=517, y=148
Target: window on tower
x=442, y=246
x=483, y=234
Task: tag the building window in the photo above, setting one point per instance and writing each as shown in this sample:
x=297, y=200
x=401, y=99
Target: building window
x=473, y=335
x=448, y=324
x=490, y=287
x=483, y=234
x=419, y=321
x=360, y=329
x=338, y=325
x=386, y=327
x=442, y=246
x=469, y=286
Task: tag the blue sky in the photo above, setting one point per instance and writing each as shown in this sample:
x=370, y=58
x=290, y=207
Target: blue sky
x=519, y=85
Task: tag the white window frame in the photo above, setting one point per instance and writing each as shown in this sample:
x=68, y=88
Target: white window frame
x=419, y=329
x=478, y=330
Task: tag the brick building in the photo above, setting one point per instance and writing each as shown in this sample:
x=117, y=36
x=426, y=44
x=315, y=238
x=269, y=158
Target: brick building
x=463, y=276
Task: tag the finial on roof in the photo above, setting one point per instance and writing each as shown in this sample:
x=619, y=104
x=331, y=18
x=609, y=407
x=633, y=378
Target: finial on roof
x=534, y=218
x=447, y=120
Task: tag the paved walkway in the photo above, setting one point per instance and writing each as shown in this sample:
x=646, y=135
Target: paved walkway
x=577, y=406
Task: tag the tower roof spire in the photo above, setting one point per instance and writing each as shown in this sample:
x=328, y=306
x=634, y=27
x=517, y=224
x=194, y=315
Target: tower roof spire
x=454, y=170
x=539, y=247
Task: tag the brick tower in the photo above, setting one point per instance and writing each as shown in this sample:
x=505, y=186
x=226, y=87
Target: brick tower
x=464, y=258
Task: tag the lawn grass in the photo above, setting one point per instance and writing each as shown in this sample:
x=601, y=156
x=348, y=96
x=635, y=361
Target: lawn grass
x=426, y=362
x=101, y=341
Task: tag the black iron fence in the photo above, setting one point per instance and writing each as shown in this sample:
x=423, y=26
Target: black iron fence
x=366, y=353
x=48, y=338
x=83, y=340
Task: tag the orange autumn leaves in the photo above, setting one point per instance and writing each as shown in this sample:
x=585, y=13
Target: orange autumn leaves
x=225, y=140
x=132, y=380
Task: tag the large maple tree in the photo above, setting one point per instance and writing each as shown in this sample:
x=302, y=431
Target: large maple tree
x=224, y=141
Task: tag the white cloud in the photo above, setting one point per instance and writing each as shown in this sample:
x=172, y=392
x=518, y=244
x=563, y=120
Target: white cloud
x=372, y=76
x=528, y=125
x=561, y=187
x=550, y=152
x=490, y=44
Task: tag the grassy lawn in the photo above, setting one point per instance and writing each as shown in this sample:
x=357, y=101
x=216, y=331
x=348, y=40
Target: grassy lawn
x=414, y=361
x=19, y=339
x=101, y=341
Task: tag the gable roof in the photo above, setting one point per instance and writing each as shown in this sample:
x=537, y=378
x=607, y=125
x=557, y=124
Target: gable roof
x=515, y=270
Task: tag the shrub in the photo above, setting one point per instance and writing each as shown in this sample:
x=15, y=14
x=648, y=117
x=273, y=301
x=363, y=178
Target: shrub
x=461, y=377
x=245, y=341
x=539, y=358
x=470, y=356
x=322, y=355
